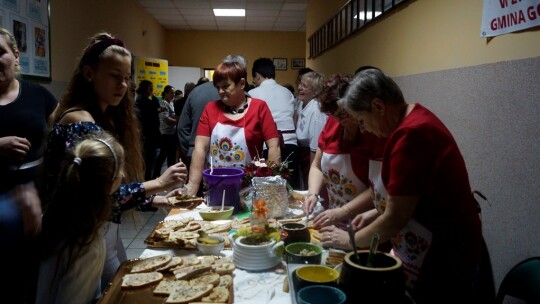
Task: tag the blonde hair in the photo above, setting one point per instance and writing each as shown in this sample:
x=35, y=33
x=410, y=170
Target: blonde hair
x=12, y=43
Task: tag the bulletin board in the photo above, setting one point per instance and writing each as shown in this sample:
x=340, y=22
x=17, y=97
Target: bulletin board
x=28, y=21
x=155, y=70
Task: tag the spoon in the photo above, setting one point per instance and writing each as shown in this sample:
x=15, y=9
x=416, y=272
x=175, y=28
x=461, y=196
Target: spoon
x=223, y=201
x=372, y=249
x=353, y=242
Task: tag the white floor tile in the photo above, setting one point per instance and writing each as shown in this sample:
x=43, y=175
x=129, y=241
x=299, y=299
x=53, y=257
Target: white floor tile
x=137, y=244
x=134, y=253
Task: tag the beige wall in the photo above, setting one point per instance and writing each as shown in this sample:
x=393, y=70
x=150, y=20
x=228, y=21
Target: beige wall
x=206, y=49
x=73, y=22
x=421, y=36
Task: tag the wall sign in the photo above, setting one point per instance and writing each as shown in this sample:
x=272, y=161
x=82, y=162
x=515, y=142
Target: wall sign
x=155, y=70
x=506, y=16
x=28, y=21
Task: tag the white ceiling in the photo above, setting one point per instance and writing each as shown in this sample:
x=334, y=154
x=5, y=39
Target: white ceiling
x=261, y=15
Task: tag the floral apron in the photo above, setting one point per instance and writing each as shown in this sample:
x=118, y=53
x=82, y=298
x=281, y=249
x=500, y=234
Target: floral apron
x=228, y=147
x=411, y=244
x=341, y=182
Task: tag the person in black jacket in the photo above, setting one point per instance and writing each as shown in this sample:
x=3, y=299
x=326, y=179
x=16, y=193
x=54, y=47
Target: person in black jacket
x=148, y=112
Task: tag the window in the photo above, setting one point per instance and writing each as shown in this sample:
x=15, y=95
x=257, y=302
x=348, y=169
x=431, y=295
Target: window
x=351, y=18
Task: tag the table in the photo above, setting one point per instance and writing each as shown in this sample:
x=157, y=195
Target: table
x=249, y=287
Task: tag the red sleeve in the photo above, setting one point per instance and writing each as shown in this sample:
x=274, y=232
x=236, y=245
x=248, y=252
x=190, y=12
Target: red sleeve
x=209, y=119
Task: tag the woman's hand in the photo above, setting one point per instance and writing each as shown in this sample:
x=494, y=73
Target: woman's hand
x=329, y=217
x=173, y=177
x=309, y=204
x=364, y=219
x=27, y=198
x=14, y=147
x=332, y=236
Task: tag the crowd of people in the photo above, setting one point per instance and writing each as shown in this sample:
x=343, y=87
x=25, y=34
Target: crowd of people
x=378, y=163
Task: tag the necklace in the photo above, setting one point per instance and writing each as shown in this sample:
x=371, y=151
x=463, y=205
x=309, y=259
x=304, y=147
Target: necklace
x=236, y=111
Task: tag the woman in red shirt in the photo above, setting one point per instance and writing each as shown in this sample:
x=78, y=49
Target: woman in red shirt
x=422, y=195
x=232, y=130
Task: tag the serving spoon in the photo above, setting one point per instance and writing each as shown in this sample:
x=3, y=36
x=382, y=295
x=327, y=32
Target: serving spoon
x=353, y=242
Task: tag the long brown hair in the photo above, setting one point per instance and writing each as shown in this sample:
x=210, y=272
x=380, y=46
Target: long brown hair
x=121, y=120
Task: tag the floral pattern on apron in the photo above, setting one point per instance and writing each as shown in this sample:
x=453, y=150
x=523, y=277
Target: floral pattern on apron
x=412, y=243
x=228, y=147
x=340, y=180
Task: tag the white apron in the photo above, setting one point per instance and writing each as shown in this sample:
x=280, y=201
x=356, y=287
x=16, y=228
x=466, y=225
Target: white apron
x=411, y=244
x=341, y=182
x=228, y=147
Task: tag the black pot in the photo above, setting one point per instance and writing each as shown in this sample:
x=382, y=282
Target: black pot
x=382, y=283
x=294, y=233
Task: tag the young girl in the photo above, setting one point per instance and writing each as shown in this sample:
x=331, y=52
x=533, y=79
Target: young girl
x=97, y=98
x=72, y=240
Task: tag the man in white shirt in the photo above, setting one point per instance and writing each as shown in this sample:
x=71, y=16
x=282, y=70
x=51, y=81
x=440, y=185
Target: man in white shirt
x=281, y=103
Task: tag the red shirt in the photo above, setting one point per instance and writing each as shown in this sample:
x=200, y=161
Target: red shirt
x=366, y=146
x=258, y=123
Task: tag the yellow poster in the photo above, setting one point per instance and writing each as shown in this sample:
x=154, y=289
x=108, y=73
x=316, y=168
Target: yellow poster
x=155, y=70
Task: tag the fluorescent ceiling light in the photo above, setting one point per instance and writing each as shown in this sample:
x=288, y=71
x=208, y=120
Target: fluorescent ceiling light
x=232, y=12
x=367, y=16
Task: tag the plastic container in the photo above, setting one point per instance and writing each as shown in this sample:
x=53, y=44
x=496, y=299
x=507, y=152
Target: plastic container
x=228, y=179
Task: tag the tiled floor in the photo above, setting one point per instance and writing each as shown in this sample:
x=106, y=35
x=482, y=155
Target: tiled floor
x=136, y=226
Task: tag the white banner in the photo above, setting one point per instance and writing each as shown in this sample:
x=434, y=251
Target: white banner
x=506, y=16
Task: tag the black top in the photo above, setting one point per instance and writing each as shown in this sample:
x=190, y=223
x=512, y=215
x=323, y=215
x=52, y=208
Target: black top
x=148, y=113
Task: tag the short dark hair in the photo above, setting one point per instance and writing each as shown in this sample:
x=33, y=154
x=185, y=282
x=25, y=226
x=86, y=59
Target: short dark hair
x=265, y=67
x=166, y=89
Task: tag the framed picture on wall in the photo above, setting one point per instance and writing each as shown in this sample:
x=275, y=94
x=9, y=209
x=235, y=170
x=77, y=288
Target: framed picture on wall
x=28, y=21
x=298, y=63
x=280, y=64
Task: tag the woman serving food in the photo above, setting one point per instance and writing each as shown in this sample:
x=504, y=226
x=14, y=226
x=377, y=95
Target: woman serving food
x=232, y=130
x=422, y=195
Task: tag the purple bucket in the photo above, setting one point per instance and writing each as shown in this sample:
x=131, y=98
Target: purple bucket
x=228, y=179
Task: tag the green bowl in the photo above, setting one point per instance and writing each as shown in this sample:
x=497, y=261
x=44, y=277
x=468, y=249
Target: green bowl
x=215, y=213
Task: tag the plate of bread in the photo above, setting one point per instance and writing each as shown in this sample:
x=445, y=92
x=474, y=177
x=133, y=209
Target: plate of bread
x=172, y=279
x=183, y=233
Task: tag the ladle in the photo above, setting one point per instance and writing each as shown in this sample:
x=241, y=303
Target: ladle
x=353, y=242
x=372, y=249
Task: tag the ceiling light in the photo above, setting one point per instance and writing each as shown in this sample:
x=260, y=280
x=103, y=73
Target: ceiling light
x=226, y=12
x=367, y=16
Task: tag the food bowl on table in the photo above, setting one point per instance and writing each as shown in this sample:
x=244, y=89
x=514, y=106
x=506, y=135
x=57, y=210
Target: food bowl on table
x=303, y=253
x=320, y=294
x=316, y=275
x=208, y=248
x=215, y=213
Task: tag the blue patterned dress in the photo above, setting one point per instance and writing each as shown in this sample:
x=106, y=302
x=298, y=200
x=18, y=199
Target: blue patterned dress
x=61, y=138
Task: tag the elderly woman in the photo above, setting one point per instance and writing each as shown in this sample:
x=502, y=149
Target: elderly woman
x=422, y=194
x=310, y=120
x=232, y=130
x=341, y=162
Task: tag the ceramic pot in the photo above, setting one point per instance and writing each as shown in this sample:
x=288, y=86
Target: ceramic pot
x=383, y=283
x=294, y=233
x=255, y=257
x=293, y=250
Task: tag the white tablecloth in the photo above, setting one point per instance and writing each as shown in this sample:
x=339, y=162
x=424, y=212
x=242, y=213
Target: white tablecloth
x=249, y=287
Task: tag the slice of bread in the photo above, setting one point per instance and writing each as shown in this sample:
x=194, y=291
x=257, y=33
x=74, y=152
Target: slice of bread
x=165, y=287
x=210, y=278
x=186, y=294
x=150, y=264
x=225, y=281
x=217, y=295
x=175, y=261
x=225, y=268
x=136, y=280
x=188, y=272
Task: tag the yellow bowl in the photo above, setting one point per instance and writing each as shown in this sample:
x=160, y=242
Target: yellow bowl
x=215, y=213
x=316, y=274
